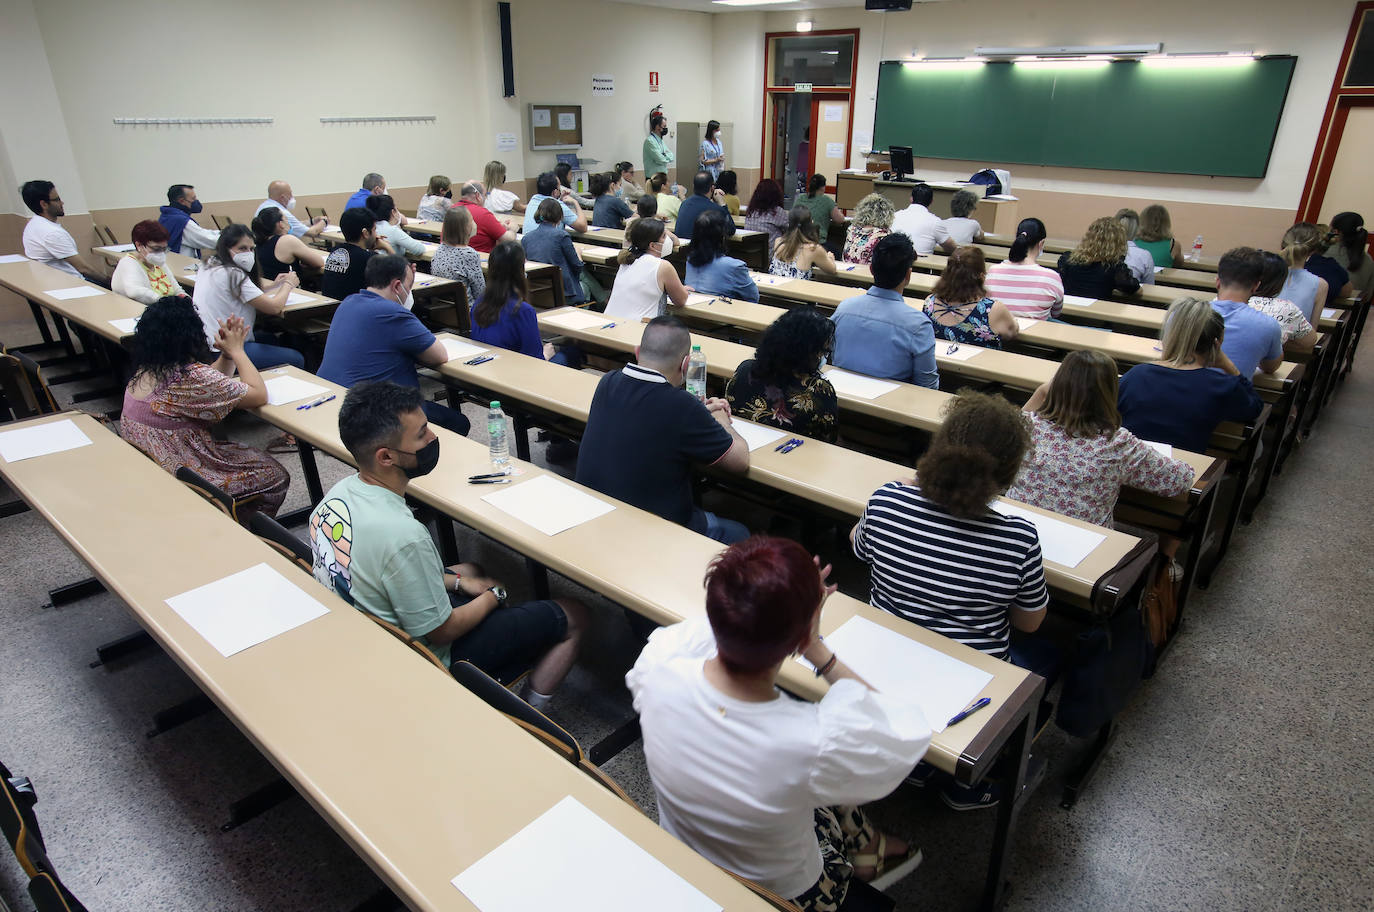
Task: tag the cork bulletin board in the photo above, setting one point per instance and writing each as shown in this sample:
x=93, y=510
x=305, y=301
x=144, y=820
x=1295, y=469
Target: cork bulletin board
x=555, y=126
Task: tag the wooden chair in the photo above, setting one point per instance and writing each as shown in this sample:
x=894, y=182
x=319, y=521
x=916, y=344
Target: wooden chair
x=26, y=393
x=50, y=895
x=221, y=221
x=228, y=505
x=281, y=540
x=20, y=827
x=105, y=235
x=312, y=213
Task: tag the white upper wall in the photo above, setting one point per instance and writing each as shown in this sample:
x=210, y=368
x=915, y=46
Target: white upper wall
x=1314, y=31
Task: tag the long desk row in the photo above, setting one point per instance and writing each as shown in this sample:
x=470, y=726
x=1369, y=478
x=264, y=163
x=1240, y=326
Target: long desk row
x=1204, y=263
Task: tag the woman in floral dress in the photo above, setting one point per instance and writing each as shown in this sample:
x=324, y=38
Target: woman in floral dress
x=960, y=310
x=782, y=384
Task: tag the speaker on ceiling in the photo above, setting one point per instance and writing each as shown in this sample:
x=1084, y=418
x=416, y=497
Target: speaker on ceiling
x=507, y=55
x=887, y=5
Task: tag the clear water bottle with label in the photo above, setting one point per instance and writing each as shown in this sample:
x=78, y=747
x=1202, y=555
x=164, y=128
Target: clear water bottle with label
x=500, y=438
x=1196, y=253
x=696, y=373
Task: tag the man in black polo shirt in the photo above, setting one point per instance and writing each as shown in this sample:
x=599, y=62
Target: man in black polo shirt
x=645, y=432
x=343, y=268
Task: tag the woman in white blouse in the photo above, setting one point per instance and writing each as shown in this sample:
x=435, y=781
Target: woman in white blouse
x=143, y=274
x=645, y=282
x=499, y=199
x=761, y=784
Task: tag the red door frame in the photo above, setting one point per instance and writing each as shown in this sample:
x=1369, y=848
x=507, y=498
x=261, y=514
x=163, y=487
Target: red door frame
x=818, y=90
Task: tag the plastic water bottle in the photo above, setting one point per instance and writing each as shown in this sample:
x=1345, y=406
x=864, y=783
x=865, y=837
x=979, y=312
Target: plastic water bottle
x=500, y=440
x=696, y=373
x=1196, y=253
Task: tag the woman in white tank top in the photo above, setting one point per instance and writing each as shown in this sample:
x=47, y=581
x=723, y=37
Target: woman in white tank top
x=645, y=279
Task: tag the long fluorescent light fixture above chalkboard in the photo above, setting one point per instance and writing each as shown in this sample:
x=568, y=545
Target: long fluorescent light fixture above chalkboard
x=1110, y=50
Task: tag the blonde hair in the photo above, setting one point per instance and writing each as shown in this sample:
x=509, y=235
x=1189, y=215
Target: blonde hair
x=494, y=175
x=874, y=210
x=1155, y=224
x=1300, y=242
x=459, y=227
x=439, y=184
x=1130, y=222
x=1103, y=242
x=1191, y=327
x=801, y=229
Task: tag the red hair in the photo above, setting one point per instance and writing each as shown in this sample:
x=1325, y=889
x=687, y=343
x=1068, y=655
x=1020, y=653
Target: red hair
x=149, y=232
x=760, y=597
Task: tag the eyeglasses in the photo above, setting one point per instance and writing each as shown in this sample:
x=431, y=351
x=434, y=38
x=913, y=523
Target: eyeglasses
x=54, y=199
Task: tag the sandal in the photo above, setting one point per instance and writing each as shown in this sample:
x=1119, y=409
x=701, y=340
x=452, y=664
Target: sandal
x=283, y=443
x=887, y=869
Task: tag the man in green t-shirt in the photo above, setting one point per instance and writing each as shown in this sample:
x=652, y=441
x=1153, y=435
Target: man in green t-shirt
x=370, y=550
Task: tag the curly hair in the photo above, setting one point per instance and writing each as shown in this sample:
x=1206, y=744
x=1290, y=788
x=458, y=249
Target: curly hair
x=792, y=345
x=1103, y=242
x=767, y=197
x=962, y=279
x=168, y=337
x=962, y=203
x=975, y=455
x=874, y=210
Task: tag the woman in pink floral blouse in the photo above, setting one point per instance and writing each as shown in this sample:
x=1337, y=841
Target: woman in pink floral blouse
x=1082, y=455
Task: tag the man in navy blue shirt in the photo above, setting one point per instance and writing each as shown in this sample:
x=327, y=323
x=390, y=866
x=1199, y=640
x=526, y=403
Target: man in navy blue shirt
x=373, y=185
x=1252, y=339
x=373, y=337
x=704, y=197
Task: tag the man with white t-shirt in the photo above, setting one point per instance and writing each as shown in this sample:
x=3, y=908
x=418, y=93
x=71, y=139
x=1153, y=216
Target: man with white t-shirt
x=926, y=229
x=47, y=242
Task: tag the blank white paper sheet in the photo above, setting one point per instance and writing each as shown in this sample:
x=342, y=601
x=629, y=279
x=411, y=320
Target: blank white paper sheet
x=53, y=437
x=562, y=861
x=756, y=435
x=548, y=504
x=125, y=325
x=67, y=294
x=1079, y=301
x=940, y=685
x=245, y=609
x=1162, y=449
x=297, y=297
x=121, y=248
x=847, y=384
x=281, y=390
x=1328, y=313
x=13, y=258
x=962, y=352
x=578, y=319
x=1025, y=323
x=461, y=348
x=1060, y=542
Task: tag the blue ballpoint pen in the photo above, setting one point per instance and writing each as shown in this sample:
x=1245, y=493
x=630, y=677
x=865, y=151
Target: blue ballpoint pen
x=784, y=445
x=977, y=705
x=609, y=326
x=792, y=445
x=321, y=401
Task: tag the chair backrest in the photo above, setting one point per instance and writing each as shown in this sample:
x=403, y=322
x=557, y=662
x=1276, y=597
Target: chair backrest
x=26, y=392
x=767, y=895
x=281, y=539
x=207, y=490
x=409, y=640
x=312, y=213
x=17, y=820
x=49, y=894
x=221, y=221
x=518, y=711
x=105, y=234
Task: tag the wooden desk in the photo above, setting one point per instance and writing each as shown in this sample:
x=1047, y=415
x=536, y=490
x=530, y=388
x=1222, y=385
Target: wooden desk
x=993, y=215
x=1205, y=263
x=750, y=246
x=32, y=280
x=467, y=784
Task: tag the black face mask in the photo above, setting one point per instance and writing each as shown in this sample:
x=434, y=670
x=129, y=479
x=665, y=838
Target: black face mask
x=426, y=458
x=448, y=194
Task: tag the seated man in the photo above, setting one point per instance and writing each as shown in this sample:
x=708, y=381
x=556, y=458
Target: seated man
x=878, y=333
x=47, y=242
x=184, y=233
x=373, y=184
x=279, y=194
x=1252, y=339
x=546, y=186
x=926, y=229
x=374, y=337
x=371, y=551
x=644, y=433
x=343, y=268
x=705, y=197
x=490, y=229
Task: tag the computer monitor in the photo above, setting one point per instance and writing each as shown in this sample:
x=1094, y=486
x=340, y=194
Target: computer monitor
x=899, y=160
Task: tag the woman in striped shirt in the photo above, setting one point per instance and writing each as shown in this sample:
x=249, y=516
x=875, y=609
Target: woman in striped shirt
x=941, y=555
x=1027, y=288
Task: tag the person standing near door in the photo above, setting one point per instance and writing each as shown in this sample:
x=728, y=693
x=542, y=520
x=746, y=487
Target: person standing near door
x=657, y=155
x=711, y=156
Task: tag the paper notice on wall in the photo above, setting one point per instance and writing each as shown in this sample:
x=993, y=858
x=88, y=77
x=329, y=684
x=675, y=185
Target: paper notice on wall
x=541, y=117
x=863, y=139
x=603, y=85
x=567, y=121
x=834, y=113
x=506, y=142
x=834, y=150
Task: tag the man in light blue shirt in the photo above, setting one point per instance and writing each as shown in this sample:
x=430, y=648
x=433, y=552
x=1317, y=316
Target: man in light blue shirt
x=546, y=186
x=1252, y=340
x=279, y=195
x=878, y=333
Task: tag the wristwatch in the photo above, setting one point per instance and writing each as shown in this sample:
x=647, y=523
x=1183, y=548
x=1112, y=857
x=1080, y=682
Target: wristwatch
x=500, y=593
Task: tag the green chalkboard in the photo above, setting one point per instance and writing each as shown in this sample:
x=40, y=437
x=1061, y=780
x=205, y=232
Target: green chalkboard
x=1121, y=115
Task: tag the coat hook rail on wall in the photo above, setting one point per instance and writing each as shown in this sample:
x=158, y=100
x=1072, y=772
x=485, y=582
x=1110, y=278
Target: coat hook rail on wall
x=188, y=121
x=413, y=118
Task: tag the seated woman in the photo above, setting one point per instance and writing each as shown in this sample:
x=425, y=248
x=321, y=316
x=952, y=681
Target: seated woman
x=765, y=212
x=645, y=281
x=225, y=288
x=760, y=784
x=647, y=207
x=143, y=274
x=1138, y=259
x=549, y=243
x=709, y=269
x=1298, y=335
x=668, y=203
x=799, y=251
x=1097, y=268
x=1307, y=287
x=174, y=399
x=388, y=226
x=499, y=199
x=960, y=310
x=503, y=317
x=1020, y=282
x=822, y=207
x=1157, y=236
x=1350, y=248
x=436, y=201
x=279, y=250
x=728, y=183
x=1080, y=455
x=563, y=171
x=455, y=259
x=1181, y=398
x=962, y=229
x=871, y=222
x=609, y=210
x=629, y=190
x=782, y=384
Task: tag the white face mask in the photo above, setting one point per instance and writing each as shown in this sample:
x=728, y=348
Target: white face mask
x=667, y=246
x=156, y=259
x=291, y=203
x=245, y=260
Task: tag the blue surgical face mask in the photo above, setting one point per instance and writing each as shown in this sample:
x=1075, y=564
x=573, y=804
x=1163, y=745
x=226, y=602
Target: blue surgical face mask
x=619, y=191
x=824, y=362
x=196, y=207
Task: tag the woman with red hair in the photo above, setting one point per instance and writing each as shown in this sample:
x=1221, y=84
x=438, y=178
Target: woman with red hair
x=761, y=784
x=143, y=274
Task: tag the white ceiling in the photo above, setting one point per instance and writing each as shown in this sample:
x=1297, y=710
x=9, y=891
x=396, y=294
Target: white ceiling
x=706, y=6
